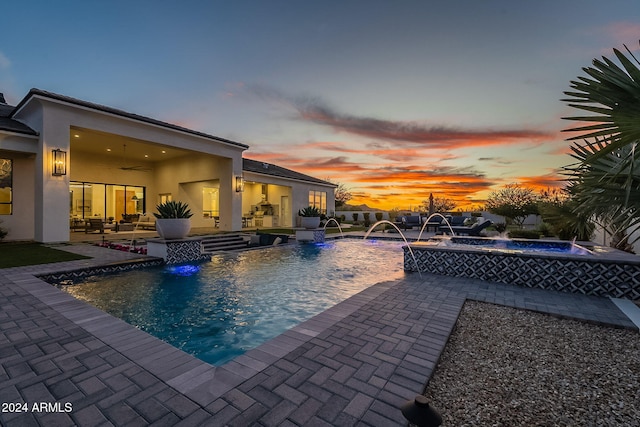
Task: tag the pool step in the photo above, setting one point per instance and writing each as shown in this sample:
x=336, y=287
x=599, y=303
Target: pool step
x=223, y=242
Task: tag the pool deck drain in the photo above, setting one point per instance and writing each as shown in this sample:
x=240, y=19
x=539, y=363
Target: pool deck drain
x=355, y=363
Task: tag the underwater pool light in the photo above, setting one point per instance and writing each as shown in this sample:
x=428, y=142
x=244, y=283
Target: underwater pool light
x=183, y=269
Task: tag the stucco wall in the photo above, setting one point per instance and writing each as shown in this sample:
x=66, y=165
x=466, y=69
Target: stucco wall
x=20, y=223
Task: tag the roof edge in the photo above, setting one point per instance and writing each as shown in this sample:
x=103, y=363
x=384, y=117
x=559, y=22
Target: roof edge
x=34, y=92
x=276, y=171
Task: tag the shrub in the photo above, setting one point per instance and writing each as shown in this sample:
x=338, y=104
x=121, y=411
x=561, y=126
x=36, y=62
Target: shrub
x=367, y=220
x=379, y=216
x=545, y=229
x=513, y=202
x=500, y=227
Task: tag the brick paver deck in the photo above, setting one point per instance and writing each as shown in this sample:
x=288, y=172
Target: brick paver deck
x=354, y=364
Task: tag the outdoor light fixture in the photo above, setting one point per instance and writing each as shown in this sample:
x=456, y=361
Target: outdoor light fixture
x=417, y=411
x=59, y=162
x=239, y=184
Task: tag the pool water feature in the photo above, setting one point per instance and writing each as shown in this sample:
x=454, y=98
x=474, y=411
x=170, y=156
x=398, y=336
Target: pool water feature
x=217, y=310
x=514, y=245
x=555, y=265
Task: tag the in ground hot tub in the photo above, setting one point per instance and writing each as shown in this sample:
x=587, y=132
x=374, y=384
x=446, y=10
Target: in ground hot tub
x=546, y=264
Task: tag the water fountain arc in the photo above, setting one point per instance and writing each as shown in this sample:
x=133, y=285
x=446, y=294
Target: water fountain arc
x=337, y=223
x=427, y=220
x=133, y=236
x=385, y=221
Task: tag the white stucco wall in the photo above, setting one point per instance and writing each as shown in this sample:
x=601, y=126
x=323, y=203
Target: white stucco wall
x=53, y=120
x=21, y=149
x=20, y=224
x=299, y=193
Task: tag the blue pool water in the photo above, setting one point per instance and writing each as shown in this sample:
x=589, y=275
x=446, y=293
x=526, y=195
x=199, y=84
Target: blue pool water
x=220, y=309
x=546, y=246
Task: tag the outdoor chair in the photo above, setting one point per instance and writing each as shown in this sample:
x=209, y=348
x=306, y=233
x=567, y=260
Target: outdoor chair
x=94, y=224
x=473, y=230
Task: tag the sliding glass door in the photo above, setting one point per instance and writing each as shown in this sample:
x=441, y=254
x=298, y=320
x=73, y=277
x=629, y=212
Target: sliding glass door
x=106, y=200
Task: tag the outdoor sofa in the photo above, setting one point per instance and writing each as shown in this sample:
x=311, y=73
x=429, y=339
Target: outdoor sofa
x=407, y=222
x=471, y=230
x=146, y=222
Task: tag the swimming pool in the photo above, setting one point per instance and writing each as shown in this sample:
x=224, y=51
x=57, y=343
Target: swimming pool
x=218, y=310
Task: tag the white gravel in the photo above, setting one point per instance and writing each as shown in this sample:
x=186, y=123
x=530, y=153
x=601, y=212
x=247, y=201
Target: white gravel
x=509, y=367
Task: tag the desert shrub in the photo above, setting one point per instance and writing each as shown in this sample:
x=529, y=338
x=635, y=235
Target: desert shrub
x=500, y=227
x=367, y=220
x=545, y=230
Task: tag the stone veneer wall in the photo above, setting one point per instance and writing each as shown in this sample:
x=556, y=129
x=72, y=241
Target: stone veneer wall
x=584, y=275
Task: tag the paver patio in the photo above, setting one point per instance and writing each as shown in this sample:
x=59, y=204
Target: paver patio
x=354, y=364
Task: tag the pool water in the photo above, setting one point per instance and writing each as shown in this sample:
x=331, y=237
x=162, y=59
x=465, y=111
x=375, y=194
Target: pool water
x=218, y=310
x=536, y=246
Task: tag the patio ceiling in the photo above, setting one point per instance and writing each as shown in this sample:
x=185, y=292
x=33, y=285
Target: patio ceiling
x=107, y=144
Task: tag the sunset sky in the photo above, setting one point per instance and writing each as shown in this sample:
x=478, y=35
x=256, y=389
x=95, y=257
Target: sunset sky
x=394, y=99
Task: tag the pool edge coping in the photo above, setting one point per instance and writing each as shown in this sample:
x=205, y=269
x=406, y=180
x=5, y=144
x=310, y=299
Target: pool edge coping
x=198, y=380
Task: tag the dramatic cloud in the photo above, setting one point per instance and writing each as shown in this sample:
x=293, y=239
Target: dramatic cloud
x=313, y=109
x=542, y=182
x=411, y=132
x=387, y=163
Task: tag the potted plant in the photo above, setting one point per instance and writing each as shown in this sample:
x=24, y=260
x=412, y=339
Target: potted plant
x=173, y=220
x=310, y=217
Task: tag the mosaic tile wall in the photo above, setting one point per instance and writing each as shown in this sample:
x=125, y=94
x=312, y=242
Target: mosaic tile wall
x=181, y=251
x=72, y=276
x=617, y=279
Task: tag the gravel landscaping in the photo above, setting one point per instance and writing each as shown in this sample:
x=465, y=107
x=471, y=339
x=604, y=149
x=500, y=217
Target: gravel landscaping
x=509, y=367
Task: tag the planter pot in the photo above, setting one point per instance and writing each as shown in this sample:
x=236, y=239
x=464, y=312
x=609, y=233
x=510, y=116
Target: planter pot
x=310, y=222
x=173, y=228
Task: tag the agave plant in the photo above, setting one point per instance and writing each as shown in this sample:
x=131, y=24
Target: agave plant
x=606, y=180
x=309, y=211
x=173, y=209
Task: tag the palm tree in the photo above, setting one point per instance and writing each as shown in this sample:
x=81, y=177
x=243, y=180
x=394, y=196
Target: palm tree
x=605, y=181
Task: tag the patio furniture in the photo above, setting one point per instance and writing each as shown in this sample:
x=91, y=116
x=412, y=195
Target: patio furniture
x=454, y=221
x=434, y=223
x=147, y=222
x=407, y=222
x=473, y=230
x=94, y=224
x=77, y=224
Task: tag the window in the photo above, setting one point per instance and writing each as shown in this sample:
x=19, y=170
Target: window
x=106, y=200
x=6, y=186
x=318, y=199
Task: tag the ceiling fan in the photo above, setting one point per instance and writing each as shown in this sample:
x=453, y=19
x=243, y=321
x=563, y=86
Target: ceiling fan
x=124, y=166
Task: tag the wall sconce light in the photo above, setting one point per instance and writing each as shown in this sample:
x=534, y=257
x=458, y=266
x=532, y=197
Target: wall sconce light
x=239, y=184
x=59, y=162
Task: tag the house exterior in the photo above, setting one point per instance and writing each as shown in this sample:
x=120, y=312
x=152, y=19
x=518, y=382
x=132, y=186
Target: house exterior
x=63, y=160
